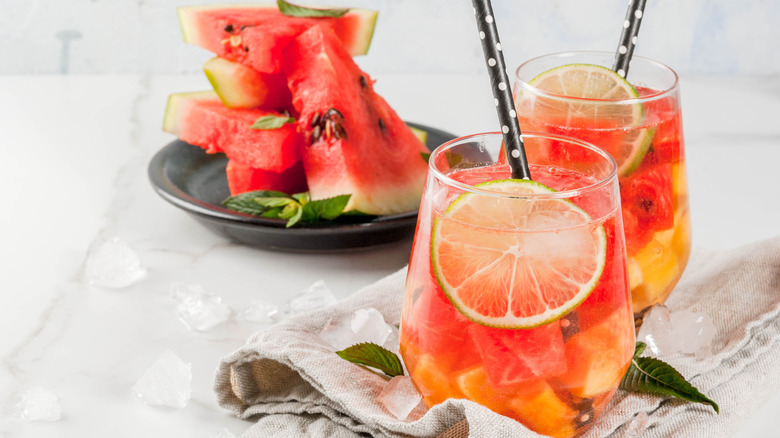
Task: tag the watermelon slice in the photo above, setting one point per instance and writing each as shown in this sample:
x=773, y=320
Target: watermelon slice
x=354, y=142
x=201, y=119
x=242, y=178
x=240, y=86
x=256, y=34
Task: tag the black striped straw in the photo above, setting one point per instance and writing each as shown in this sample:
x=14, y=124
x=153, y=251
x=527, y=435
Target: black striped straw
x=505, y=104
x=636, y=8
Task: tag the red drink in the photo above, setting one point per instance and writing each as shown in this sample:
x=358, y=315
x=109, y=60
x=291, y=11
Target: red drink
x=518, y=300
x=644, y=134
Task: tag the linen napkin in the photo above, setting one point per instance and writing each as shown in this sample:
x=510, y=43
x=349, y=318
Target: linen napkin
x=291, y=384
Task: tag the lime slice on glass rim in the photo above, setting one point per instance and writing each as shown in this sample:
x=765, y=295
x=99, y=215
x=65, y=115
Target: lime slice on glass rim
x=589, y=82
x=498, y=276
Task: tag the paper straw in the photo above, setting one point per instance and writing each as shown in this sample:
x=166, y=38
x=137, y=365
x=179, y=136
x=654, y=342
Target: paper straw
x=502, y=94
x=628, y=36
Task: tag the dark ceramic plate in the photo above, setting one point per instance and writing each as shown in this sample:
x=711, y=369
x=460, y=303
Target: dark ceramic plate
x=189, y=178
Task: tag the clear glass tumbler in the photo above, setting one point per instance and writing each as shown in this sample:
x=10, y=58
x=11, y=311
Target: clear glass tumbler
x=640, y=125
x=517, y=291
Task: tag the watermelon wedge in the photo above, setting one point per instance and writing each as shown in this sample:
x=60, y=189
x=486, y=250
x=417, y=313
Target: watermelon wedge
x=240, y=86
x=354, y=143
x=201, y=119
x=242, y=178
x=256, y=34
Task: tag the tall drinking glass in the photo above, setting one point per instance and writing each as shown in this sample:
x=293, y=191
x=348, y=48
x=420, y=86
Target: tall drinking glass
x=640, y=125
x=517, y=291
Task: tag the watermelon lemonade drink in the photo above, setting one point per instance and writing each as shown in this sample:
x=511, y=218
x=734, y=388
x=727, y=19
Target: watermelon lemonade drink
x=517, y=291
x=578, y=95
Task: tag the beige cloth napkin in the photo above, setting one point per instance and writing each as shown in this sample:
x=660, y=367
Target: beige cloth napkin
x=291, y=384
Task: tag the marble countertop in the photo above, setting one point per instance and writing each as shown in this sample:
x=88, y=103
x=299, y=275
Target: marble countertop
x=73, y=157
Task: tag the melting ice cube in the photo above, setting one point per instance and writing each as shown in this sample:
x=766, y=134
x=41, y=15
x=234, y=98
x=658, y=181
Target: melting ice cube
x=314, y=297
x=260, y=312
x=197, y=309
x=166, y=383
x=39, y=404
x=363, y=325
x=399, y=397
x=113, y=264
x=685, y=331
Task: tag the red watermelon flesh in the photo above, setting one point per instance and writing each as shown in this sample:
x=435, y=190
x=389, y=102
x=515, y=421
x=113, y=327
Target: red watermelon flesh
x=354, y=143
x=201, y=119
x=647, y=195
x=242, y=178
x=256, y=35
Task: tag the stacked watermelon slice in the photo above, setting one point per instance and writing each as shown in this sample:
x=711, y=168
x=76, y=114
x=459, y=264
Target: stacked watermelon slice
x=293, y=112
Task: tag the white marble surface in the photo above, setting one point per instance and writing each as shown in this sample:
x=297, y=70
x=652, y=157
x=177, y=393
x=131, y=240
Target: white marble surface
x=73, y=157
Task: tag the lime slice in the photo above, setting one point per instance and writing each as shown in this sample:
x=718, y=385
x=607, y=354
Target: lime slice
x=590, y=82
x=499, y=276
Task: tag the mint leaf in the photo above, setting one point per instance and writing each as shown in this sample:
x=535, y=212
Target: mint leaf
x=292, y=10
x=272, y=122
x=245, y=203
x=425, y=156
x=374, y=356
x=327, y=209
x=654, y=376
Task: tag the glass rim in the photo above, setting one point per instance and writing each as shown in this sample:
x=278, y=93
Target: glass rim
x=610, y=178
x=633, y=100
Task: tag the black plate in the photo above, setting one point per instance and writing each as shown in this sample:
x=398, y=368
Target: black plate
x=189, y=178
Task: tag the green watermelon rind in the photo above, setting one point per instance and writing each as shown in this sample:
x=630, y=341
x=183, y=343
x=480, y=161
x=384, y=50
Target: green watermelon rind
x=173, y=107
x=364, y=33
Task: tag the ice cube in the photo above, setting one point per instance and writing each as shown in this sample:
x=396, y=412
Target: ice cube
x=338, y=333
x=223, y=433
x=314, y=297
x=363, y=325
x=392, y=342
x=685, y=331
x=399, y=397
x=113, y=264
x=39, y=404
x=260, y=312
x=694, y=331
x=166, y=383
x=369, y=325
x=656, y=329
x=197, y=309
x=636, y=427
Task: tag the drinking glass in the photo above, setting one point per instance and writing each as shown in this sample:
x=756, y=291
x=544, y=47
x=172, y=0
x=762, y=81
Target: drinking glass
x=517, y=291
x=644, y=134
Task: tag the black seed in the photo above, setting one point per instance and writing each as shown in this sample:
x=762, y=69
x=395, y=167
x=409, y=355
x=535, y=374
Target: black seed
x=229, y=28
x=569, y=325
x=246, y=48
x=315, y=134
x=340, y=131
x=245, y=26
x=382, y=126
x=333, y=111
x=328, y=129
x=316, y=119
x=363, y=82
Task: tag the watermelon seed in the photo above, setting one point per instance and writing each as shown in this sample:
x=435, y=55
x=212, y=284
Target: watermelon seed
x=245, y=26
x=363, y=82
x=315, y=134
x=246, y=48
x=229, y=28
x=334, y=111
x=235, y=40
x=382, y=126
x=340, y=131
x=316, y=119
x=328, y=129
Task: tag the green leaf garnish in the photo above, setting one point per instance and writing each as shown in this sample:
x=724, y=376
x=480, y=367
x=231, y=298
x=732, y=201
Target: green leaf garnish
x=295, y=209
x=327, y=209
x=272, y=122
x=374, y=356
x=654, y=376
x=425, y=156
x=292, y=10
x=245, y=202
